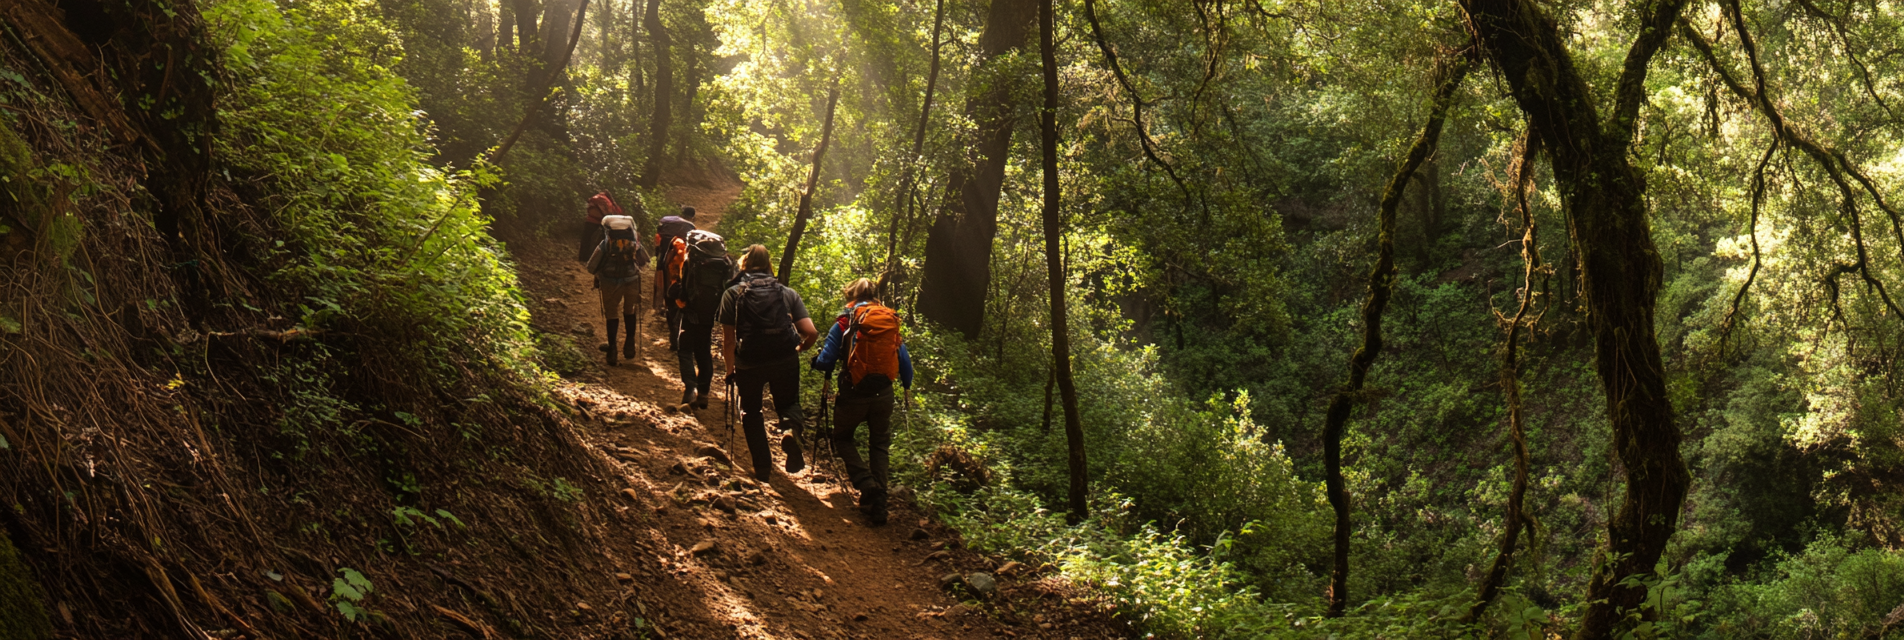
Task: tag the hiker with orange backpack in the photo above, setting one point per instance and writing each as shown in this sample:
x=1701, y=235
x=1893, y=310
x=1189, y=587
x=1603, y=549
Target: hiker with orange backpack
x=670, y=232
x=616, y=265
x=866, y=338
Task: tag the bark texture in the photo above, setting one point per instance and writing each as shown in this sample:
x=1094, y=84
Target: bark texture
x=805, y=212
x=1054, y=269
x=1381, y=285
x=958, y=265
x=1603, y=198
x=663, y=117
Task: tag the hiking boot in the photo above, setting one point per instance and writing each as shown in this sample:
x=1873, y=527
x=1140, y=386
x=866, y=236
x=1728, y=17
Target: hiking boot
x=631, y=347
x=700, y=401
x=795, y=461
x=873, y=502
x=688, y=399
x=609, y=349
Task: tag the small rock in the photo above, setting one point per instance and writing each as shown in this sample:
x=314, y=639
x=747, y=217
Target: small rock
x=725, y=503
x=769, y=517
x=982, y=583
x=583, y=329
x=920, y=534
x=704, y=546
x=1044, y=625
x=631, y=494
x=624, y=578
x=583, y=607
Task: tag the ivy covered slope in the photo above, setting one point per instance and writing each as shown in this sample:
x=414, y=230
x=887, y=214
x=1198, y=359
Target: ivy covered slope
x=264, y=368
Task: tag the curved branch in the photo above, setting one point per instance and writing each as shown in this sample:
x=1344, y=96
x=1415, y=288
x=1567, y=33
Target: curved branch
x=1381, y=284
x=1137, y=104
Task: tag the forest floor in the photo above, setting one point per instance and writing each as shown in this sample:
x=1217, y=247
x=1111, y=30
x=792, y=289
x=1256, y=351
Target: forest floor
x=727, y=558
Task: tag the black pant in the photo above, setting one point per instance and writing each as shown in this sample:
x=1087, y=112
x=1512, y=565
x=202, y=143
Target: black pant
x=697, y=356
x=876, y=412
x=674, y=323
x=784, y=380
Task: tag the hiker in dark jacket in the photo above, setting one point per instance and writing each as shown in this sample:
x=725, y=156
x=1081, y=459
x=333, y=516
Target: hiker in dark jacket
x=865, y=337
x=616, y=265
x=764, y=328
x=706, y=274
x=667, y=230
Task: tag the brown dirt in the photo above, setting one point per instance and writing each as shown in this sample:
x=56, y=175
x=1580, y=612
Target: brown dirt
x=794, y=559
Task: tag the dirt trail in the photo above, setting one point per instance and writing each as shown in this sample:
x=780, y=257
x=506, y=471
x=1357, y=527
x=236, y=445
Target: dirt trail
x=793, y=559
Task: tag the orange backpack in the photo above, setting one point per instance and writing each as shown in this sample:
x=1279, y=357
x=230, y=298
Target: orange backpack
x=872, y=352
x=671, y=274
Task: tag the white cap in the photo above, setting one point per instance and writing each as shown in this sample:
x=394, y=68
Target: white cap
x=618, y=222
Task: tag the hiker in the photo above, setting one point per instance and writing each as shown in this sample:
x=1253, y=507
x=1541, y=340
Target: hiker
x=590, y=232
x=764, y=328
x=704, y=279
x=616, y=265
x=669, y=233
x=866, y=337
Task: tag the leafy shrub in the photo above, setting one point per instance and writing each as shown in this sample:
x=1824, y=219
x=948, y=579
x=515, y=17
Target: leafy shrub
x=1829, y=590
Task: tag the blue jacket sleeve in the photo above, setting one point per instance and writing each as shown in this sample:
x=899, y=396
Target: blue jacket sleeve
x=829, y=352
x=905, y=367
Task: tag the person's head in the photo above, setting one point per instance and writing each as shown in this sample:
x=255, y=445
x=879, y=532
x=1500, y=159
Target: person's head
x=757, y=260
x=687, y=213
x=861, y=290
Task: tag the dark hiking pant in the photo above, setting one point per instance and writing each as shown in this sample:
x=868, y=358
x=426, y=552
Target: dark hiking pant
x=784, y=381
x=876, y=412
x=697, y=356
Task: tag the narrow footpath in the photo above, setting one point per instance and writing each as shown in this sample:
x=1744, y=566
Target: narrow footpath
x=717, y=555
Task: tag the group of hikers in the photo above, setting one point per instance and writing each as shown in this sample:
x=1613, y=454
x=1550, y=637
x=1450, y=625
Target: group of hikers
x=765, y=331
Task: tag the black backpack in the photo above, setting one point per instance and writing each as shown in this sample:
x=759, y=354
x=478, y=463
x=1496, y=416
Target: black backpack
x=704, y=278
x=762, y=322
x=622, y=255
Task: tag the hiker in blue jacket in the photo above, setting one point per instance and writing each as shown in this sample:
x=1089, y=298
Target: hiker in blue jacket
x=868, y=401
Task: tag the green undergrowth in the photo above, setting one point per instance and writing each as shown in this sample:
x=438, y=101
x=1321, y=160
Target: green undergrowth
x=20, y=598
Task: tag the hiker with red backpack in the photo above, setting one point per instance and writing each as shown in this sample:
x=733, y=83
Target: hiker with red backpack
x=589, y=232
x=670, y=232
x=866, y=337
x=764, y=329
x=696, y=296
x=616, y=265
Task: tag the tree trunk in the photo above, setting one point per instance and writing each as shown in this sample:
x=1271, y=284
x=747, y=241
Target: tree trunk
x=506, y=27
x=902, y=199
x=663, y=118
x=557, y=14
x=559, y=70
x=1381, y=284
x=1605, y=205
x=805, y=211
x=526, y=12
x=958, y=263
x=1054, y=267
x=693, y=86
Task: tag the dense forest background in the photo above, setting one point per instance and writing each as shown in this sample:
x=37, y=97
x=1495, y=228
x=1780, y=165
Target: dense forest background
x=1634, y=291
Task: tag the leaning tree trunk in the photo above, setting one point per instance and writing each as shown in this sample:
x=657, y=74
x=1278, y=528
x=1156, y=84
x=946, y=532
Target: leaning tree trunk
x=663, y=118
x=1054, y=268
x=902, y=197
x=1604, y=199
x=1381, y=284
x=958, y=265
x=805, y=212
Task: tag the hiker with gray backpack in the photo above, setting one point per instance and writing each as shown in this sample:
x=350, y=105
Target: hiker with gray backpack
x=616, y=265
x=764, y=329
x=695, y=296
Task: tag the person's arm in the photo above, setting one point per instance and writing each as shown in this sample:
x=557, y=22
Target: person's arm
x=829, y=351
x=905, y=368
x=595, y=260
x=807, y=333
x=727, y=347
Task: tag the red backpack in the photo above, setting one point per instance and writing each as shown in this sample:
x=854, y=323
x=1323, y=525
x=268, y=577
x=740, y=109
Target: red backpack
x=872, y=347
x=601, y=205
